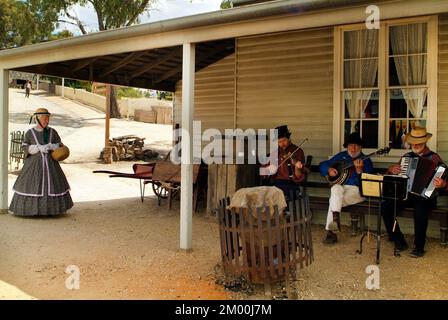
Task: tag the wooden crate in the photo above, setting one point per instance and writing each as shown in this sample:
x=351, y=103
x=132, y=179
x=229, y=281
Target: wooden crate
x=164, y=114
x=145, y=116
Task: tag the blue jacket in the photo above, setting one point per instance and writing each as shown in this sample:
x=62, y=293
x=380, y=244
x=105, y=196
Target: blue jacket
x=354, y=179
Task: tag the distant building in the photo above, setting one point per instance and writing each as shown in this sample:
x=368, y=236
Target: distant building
x=18, y=79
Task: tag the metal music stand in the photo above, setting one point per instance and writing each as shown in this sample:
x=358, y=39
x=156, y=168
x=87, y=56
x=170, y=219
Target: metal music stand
x=382, y=187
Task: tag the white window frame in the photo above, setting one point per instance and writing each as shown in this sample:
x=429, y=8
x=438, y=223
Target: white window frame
x=383, y=67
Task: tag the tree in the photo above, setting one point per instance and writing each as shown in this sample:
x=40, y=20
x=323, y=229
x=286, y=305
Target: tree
x=60, y=35
x=226, y=4
x=25, y=22
x=111, y=14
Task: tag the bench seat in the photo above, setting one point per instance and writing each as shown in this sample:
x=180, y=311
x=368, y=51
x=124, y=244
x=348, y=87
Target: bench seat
x=360, y=210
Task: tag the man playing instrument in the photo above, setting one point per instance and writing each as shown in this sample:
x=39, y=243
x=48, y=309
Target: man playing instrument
x=417, y=138
x=289, y=171
x=347, y=194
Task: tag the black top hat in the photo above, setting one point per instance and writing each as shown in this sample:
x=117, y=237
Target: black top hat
x=354, y=138
x=283, y=132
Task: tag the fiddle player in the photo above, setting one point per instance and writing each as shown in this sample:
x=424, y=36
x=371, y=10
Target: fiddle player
x=288, y=173
x=347, y=194
x=417, y=138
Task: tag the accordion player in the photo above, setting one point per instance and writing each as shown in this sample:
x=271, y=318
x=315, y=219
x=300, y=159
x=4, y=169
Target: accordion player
x=426, y=172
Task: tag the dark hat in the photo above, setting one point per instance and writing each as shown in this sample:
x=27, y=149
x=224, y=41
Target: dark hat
x=283, y=132
x=354, y=138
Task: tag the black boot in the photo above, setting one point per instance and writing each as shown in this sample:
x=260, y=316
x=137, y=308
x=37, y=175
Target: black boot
x=400, y=243
x=417, y=253
x=330, y=238
x=335, y=225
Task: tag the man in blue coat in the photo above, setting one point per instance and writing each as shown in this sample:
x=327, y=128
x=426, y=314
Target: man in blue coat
x=347, y=194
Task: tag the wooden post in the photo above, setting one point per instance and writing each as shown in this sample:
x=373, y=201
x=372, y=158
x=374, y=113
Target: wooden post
x=107, y=153
x=62, y=88
x=186, y=193
x=37, y=82
x=4, y=81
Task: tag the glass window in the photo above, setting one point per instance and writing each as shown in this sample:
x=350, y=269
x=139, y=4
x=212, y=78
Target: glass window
x=406, y=85
x=407, y=81
x=361, y=106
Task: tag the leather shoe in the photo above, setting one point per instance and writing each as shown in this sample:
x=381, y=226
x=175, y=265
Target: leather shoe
x=401, y=245
x=417, y=253
x=330, y=238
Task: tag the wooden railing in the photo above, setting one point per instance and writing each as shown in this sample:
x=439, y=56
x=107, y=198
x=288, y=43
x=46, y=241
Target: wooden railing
x=16, y=154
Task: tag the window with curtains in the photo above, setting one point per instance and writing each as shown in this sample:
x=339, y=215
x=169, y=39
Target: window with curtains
x=407, y=86
x=383, y=111
x=360, y=92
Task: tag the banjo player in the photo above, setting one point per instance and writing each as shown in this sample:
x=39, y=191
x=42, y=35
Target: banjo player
x=348, y=193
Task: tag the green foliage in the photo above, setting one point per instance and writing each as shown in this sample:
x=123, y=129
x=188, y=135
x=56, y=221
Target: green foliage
x=165, y=95
x=111, y=14
x=77, y=84
x=226, y=4
x=129, y=93
x=25, y=22
x=60, y=35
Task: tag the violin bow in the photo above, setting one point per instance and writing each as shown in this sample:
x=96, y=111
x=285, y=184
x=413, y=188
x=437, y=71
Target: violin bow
x=292, y=153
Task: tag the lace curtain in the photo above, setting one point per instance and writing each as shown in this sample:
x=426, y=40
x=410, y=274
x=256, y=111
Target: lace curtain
x=359, y=73
x=411, y=70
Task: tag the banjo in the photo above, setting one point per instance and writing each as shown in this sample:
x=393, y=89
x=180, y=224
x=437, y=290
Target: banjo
x=343, y=167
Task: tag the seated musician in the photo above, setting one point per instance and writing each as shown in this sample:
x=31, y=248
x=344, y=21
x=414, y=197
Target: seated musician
x=347, y=194
x=287, y=174
x=417, y=138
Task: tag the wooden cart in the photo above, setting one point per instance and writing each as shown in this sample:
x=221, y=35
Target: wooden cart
x=164, y=177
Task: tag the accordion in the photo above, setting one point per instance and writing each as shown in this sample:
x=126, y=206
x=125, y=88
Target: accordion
x=421, y=173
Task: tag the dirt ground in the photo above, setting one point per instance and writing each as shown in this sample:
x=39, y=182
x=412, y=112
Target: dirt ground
x=126, y=249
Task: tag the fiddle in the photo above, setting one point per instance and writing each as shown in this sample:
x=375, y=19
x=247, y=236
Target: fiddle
x=291, y=163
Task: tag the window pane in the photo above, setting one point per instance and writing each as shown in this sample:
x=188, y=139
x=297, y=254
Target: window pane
x=351, y=45
x=370, y=134
x=398, y=40
x=352, y=74
x=351, y=126
x=369, y=43
x=369, y=74
x=397, y=132
x=354, y=103
x=398, y=71
x=370, y=103
x=417, y=123
x=397, y=104
x=416, y=102
x=417, y=70
x=417, y=38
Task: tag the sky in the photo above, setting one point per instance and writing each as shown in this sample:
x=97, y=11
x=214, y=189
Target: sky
x=163, y=10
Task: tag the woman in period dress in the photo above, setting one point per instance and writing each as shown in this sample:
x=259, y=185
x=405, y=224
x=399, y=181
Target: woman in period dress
x=41, y=188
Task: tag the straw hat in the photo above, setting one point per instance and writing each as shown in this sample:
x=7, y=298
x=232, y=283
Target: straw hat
x=40, y=111
x=418, y=135
x=61, y=153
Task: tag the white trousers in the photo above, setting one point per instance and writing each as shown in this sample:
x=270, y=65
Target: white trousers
x=341, y=196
